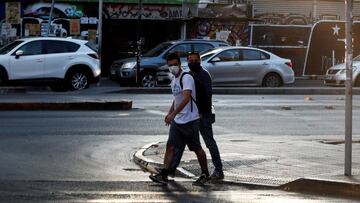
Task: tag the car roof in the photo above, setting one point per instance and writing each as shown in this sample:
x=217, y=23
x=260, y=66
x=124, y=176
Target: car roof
x=199, y=40
x=54, y=38
x=217, y=49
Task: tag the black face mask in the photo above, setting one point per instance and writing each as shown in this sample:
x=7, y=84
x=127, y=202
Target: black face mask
x=195, y=67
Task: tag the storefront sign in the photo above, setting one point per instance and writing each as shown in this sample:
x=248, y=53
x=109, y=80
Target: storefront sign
x=92, y=35
x=150, y=12
x=33, y=29
x=84, y=20
x=74, y=27
x=12, y=12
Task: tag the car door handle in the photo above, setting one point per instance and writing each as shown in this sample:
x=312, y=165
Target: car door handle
x=71, y=57
x=237, y=64
x=39, y=60
x=265, y=64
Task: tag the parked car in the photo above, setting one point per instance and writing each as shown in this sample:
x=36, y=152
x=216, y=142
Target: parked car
x=58, y=62
x=336, y=75
x=125, y=70
x=243, y=66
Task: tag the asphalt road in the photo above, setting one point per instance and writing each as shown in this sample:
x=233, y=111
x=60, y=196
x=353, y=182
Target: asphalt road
x=179, y=191
x=96, y=146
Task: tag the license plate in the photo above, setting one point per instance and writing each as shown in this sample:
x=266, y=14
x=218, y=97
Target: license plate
x=113, y=72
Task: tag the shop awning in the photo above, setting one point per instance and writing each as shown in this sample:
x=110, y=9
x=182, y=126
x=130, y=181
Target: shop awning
x=136, y=1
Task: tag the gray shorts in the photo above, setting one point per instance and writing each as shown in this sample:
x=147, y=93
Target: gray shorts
x=185, y=134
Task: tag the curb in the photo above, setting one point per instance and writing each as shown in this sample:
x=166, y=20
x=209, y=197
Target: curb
x=324, y=187
x=88, y=105
x=145, y=163
x=248, y=91
x=304, y=185
x=152, y=166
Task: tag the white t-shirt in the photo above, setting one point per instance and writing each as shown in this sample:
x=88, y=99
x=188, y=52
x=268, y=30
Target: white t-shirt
x=186, y=115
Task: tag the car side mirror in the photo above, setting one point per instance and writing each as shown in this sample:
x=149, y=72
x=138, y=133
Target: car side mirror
x=19, y=53
x=215, y=59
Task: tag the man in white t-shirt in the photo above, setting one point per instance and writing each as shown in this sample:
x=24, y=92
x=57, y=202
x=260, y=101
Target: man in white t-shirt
x=183, y=118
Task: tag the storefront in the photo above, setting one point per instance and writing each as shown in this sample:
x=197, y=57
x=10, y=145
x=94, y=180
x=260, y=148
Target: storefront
x=162, y=20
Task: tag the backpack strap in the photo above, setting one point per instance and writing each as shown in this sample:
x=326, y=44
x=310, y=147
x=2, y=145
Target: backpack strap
x=181, y=85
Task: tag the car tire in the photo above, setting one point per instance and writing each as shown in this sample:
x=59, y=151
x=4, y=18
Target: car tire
x=147, y=79
x=78, y=80
x=3, y=78
x=272, y=80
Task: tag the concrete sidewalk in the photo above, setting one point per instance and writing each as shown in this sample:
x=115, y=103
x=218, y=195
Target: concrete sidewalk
x=304, y=164
x=302, y=86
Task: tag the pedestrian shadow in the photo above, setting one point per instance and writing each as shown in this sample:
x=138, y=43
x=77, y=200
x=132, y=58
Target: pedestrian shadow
x=184, y=191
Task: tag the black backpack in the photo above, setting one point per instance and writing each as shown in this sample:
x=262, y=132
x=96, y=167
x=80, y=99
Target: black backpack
x=199, y=100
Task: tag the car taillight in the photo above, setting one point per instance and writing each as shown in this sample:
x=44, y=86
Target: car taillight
x=95, y=56
x=289, y=64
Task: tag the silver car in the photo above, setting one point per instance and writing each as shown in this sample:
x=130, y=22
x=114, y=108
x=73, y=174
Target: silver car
x=245, y=66
x=336, y=75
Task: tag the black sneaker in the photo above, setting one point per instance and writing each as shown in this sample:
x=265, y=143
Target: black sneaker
x=217, y=175
x=159, y=178
x=201, y=180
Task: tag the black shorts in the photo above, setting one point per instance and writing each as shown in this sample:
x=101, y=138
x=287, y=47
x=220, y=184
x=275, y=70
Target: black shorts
x=185, y=134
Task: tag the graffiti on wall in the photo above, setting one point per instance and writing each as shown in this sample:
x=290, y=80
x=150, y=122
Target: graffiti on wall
x=238, y=31
x=153, y=12
x=60, y=10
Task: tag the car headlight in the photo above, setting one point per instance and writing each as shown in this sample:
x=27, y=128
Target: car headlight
x=129, y=65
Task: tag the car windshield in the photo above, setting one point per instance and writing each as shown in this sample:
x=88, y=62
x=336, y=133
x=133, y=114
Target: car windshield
x=206, y=56
x=357, y=58
x=7, y=48
x=156, y=51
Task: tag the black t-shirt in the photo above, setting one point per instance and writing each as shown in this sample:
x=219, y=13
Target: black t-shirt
x=203, y=97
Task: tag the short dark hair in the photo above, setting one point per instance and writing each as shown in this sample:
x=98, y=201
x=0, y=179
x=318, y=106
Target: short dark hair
x=193, y=53
x=173, y=56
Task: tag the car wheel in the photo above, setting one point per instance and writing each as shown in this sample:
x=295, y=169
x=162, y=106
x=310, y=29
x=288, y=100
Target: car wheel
x=272, y=80
x=147, y=79
x=2, y=78
x=78, y=80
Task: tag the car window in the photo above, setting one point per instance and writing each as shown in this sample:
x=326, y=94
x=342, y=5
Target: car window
x=200, y=47
x=206, y=56
x=229, y=55
x=249, y=54
x=54, y=46
x=6, y=49
x=32, y=48
x=156, y=51
x=181, y=49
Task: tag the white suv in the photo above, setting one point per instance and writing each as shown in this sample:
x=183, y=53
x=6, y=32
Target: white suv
x=59, y=62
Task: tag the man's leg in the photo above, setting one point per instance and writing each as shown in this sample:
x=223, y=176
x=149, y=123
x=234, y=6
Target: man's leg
x=201, y=157
x=178, y=152
x=173, y=140
x=168, y=157
x=193, y=142
x=208, y=136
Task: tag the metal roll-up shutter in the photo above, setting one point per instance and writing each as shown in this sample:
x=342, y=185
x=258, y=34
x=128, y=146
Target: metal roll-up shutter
x=327, y=9
x=281, y=6
x=356, y=10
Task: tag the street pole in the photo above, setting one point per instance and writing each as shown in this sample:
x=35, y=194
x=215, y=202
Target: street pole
x=100, y=36
x=348, y=85
x=50, y=17
x=138, y=54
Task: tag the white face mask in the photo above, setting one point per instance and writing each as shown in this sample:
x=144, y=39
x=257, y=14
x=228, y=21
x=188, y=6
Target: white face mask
x=174, y=70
